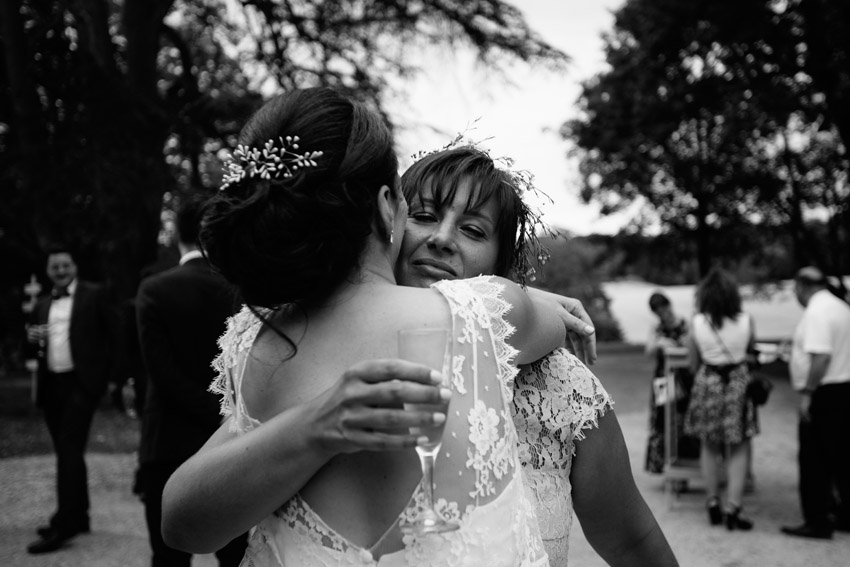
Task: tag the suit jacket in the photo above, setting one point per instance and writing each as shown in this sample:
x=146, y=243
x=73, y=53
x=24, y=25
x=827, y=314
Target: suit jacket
x=180, y=315
x=91, y=337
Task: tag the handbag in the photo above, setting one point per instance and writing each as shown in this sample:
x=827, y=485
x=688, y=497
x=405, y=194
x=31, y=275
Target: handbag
x=759, y=387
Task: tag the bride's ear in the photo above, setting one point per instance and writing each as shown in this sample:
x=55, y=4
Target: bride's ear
x=387, y=210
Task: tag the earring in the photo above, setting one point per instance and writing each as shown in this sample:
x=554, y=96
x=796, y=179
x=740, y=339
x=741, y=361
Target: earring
x=392, y=230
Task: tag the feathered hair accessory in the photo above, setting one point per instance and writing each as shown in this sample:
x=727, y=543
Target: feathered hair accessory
x=528, y=250
x=277, y=159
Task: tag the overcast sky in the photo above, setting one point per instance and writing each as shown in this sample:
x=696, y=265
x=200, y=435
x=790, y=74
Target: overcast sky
x=523, y=119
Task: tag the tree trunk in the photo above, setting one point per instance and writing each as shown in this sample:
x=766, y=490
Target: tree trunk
x=806, y=250
x=28, y=124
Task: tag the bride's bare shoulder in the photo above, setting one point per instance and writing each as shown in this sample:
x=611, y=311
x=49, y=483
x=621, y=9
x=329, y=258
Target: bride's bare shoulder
x=416, y=303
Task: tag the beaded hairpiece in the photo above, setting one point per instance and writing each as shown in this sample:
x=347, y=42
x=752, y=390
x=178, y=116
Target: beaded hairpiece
x=274, y=160
x=528, y=249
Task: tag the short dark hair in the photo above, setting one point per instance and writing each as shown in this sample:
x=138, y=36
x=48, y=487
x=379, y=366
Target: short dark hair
x=58, y=248
x=658, y=300
x=187, y=220
x=718, y=297
x=446, y=170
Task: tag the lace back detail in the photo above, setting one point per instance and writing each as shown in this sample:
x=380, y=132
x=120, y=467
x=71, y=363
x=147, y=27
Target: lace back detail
x=234, y=344
x=478, y=471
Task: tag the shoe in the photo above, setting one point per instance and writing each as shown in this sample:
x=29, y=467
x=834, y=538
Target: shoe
x=805, y=530
x=715, y=515
x=83, y=528
x=735, y=521
x=52, y=541
x=841, y=524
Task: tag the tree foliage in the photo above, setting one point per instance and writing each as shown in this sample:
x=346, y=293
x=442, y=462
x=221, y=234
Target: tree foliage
x=577, y=268
x=717, y=116
x=107, y=106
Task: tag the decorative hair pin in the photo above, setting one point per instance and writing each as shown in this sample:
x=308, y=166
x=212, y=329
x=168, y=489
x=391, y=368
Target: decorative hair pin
x=273, y=161
x=529, y=250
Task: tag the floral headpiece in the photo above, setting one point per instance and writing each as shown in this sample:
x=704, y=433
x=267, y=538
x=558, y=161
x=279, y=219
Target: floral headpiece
x=274, y=160
x=528, y=249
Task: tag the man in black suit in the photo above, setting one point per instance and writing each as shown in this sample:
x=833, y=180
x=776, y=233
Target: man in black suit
x=71, y=332
x=180, y=313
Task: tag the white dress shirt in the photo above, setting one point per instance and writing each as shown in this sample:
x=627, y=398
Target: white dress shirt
x=190, y=255
x=59, y=332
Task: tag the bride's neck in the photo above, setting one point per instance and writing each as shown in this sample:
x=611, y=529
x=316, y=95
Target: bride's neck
x=375, y=269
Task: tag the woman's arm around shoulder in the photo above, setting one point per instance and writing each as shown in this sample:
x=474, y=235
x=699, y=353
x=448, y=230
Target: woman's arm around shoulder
x=236, y=480
x=614, y=516
x=217, y=493
x=539, y=324
x=580, y=330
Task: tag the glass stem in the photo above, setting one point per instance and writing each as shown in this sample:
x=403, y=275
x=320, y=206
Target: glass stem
x=426, y=459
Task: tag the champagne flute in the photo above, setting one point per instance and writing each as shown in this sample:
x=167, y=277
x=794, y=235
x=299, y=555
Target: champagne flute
x=428, y=347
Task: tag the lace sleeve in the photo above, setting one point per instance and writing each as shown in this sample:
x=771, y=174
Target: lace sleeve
x=482, y=299
x=479, y=469
x=234, y=345
x=555, y=400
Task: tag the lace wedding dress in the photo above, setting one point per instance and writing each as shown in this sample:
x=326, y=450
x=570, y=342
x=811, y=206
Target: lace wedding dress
x=555, y=400
x=478, y=474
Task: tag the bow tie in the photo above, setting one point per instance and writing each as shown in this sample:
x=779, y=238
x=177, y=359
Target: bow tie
x=56, y=293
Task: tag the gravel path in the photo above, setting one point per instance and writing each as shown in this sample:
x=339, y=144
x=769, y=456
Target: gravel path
x=119, y=535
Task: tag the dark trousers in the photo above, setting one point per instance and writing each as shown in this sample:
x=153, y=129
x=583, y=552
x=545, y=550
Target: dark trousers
x=825, y=457
x=153, y=477
x=68, y=411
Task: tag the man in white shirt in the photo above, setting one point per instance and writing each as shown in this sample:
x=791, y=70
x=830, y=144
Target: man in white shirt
x=70, y=330
x=820, y=372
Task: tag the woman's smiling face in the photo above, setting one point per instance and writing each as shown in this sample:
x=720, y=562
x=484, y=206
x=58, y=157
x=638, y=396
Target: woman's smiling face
x=448, y=243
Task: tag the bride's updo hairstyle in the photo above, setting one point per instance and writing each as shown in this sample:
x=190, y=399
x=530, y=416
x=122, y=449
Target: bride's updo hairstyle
x=293, y=238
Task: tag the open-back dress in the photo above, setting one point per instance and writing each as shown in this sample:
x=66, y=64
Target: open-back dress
x=478, y=477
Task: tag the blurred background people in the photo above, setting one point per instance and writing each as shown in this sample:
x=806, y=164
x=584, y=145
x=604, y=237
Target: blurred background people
x=181, y=312
x=670, y=331
x=820, y=372
x=720, y=413
x=70, y=330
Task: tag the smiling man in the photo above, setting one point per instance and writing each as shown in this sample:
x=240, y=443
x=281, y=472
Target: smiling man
x=70, y=332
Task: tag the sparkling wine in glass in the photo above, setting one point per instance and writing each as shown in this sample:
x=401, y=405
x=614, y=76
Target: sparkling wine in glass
x=428, y=347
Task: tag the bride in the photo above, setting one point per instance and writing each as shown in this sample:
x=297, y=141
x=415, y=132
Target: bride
x=308, y=226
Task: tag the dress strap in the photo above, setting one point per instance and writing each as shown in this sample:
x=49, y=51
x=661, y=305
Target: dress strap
x=241, y=332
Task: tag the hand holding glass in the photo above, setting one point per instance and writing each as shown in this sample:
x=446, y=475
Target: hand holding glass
x=428, y=347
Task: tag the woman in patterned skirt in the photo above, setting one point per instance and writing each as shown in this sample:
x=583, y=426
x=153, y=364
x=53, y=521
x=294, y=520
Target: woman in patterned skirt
x=720, y=412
